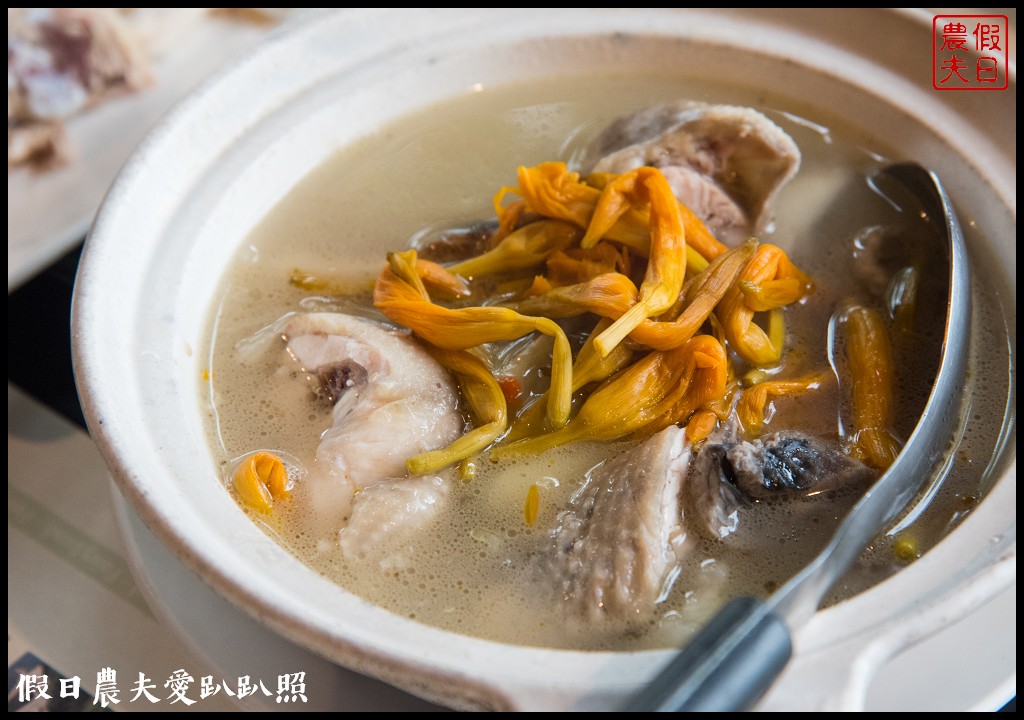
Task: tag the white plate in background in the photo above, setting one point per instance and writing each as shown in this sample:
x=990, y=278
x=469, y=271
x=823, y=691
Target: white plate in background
x=48, y=212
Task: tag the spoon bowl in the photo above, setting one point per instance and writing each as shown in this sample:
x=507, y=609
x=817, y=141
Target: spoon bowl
x=735, y=658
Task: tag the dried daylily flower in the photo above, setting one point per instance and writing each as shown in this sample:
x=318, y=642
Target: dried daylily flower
x=260, y=479
x=527, y=247
x=754, y=400
x=532, y=505
x=588, y=368
x=769, y=276
x=656, y=391
x=666, y=265
x=584, y=236
x=486, y=400
x=401, y=297
x=700, y=299
x=871, y=368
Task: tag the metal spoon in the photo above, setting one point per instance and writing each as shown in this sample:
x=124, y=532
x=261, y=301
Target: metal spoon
x=735, y=658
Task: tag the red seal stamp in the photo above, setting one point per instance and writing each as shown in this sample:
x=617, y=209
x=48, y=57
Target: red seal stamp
x=970, y=52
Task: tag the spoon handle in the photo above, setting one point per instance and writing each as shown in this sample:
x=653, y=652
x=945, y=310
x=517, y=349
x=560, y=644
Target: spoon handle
x=727, y=666
x=732, y=661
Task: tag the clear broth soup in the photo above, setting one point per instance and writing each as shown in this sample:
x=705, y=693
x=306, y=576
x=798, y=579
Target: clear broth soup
x=479, y=569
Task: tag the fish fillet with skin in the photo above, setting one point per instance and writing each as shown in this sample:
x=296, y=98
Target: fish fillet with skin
x=387, y=509
x=621, y=538
x=391, y=400
x=729, y=473
x=726, y=163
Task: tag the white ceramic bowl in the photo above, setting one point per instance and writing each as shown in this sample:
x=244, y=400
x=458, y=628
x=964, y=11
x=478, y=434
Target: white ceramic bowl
x=196, y=186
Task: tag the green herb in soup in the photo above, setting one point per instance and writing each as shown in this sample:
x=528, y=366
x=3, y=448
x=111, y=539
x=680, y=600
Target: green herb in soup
x=582, y=403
